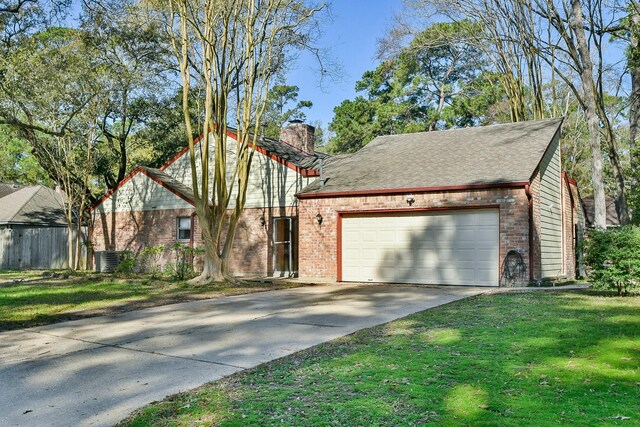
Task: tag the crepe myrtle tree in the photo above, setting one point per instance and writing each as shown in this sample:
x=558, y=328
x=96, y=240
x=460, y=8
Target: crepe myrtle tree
x=230, y=50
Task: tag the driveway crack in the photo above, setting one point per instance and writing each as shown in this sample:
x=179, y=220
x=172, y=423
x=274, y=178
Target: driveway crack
x=121, y=347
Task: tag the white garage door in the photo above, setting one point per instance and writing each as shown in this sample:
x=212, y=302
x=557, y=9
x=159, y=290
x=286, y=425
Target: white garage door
x=445, y=247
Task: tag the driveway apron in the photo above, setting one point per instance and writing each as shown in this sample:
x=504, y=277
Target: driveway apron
x=95, y=371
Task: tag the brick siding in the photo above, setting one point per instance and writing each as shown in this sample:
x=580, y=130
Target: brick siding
x=133, y=231
x=318, y=242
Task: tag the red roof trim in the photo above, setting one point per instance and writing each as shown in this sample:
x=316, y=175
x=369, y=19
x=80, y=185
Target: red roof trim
x=168, y=187
x=569, y=183
x=183, y=151
x=113, y=190
x=133, y=173
x=410, y=190
x=304, y=172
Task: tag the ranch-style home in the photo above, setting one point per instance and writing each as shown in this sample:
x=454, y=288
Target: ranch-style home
x=482, y=206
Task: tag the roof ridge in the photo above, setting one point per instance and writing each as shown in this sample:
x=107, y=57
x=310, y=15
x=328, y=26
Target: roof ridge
x=468, y=128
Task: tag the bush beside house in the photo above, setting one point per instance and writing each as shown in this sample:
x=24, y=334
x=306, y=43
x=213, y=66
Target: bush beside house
x=613, y=258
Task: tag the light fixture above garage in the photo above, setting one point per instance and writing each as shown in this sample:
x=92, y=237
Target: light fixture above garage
x=410, y=199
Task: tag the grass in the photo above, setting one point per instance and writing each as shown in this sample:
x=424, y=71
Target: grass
x=542, y=359
x=30, y=299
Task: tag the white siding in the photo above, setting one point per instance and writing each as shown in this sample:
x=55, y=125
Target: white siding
x=141, y=193
x=551, y=212
x=271, y=184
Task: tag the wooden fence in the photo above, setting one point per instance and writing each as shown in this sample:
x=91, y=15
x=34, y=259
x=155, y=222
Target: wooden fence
x=37, y=248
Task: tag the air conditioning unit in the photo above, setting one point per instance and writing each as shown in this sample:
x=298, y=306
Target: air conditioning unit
x=107, y=261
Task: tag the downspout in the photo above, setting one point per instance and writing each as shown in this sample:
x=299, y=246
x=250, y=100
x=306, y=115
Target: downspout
x=191, y=237
x=527, y=191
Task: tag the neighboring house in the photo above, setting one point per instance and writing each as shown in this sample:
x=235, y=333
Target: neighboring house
x=448, y=207
x=444, y=208
x=155, y=206
x=613, y=211
x=6, y=189
x=33, y=229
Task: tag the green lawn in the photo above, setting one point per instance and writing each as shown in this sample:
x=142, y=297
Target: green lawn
x=527, y=359
x=30, y=299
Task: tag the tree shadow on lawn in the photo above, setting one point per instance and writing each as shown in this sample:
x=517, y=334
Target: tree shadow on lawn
x=34, y=304
x=507, y=359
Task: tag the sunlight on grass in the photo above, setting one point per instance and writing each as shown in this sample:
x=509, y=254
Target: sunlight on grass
x=45, y=300
x=442, y=336
x=466, y=401
x=495, y=360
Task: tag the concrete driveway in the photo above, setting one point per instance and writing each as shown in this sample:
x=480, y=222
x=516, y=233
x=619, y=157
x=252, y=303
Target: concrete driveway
x=96, y=371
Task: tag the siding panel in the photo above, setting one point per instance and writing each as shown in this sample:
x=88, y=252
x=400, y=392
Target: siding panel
x=551, y=212
x=271, y=184
x=141, y=193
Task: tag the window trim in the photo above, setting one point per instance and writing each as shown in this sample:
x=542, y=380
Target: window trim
x=178, y=229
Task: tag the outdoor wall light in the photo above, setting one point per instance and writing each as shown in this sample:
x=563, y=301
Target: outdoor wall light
x=319, y=218
x=262, y=220
x=410, y=199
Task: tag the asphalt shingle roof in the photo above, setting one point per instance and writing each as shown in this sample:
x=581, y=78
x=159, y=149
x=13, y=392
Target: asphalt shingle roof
x=468, y=156
x=6, y=189
x=33, y=205
x=170, y=182
x=613, y=215
x=290, y=154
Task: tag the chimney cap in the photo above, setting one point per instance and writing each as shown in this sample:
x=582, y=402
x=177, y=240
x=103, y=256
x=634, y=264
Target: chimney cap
x=295, y=121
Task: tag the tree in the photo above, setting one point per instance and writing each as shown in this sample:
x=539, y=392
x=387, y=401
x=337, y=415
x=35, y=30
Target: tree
x=232, y=49
x=17, y=163
x=133, y=55
x=423, y=86
x=277, y=113
x=567, y=37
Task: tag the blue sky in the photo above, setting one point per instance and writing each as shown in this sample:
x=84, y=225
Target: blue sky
x=351, y=39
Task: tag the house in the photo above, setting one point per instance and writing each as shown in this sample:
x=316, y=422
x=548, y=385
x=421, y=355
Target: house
x=451, y=207
x=155, y=206
x=33, y=229
x=612, y=211
x=459, y=207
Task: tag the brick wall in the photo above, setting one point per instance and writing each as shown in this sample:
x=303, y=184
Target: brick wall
x=318, y=242
x=133, y=231
x=570, y=219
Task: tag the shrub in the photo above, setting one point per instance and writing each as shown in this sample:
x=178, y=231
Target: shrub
x=182, y=267
x=127, y=262
x=613, y=258
x=149, y=259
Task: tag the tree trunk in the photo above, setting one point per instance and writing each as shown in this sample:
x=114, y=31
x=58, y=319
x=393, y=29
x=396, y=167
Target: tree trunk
x=634, y=116
x=633, y=59
x=70, y=241
x=591, y=109
x=215, y=267
x=618, y=174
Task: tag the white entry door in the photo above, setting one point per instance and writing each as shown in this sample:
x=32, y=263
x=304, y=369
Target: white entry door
x=457, y=247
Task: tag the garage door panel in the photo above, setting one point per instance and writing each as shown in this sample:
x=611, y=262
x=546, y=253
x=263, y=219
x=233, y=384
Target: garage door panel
x=447, y=247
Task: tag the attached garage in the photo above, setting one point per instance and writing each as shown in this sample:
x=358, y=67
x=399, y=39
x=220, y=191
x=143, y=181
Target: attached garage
x=448, y=247
x=483, y=206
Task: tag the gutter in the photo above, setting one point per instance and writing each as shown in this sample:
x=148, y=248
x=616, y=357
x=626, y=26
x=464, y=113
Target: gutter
x=527, y=190
x=391, y=191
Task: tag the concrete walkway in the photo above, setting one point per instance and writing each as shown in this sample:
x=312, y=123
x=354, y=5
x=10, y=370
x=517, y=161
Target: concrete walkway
x=94, y=372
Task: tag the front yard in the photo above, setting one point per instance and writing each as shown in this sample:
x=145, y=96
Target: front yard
x=34, y=298
x=541, y=359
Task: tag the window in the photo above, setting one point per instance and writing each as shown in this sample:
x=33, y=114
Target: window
x=184, y=228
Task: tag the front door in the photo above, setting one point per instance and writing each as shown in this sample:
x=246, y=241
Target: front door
x=284, y=256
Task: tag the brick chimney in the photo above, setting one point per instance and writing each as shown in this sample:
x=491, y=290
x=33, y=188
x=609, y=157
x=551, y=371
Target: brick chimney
x=299, y=134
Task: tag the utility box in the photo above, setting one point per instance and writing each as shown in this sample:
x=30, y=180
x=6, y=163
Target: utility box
x=107, y=261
